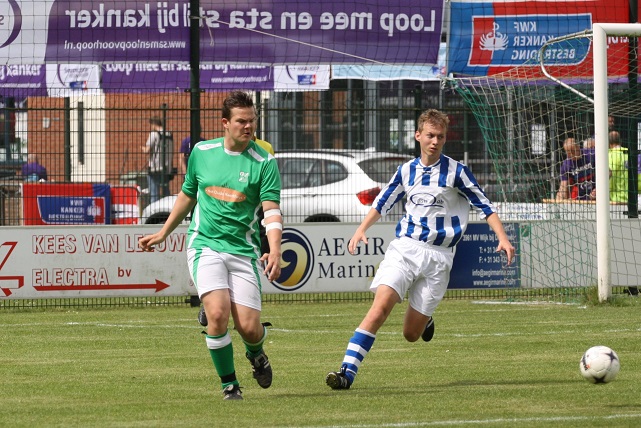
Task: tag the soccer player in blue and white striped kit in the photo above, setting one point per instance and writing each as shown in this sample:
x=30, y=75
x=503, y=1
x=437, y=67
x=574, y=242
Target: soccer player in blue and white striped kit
x=439, y=192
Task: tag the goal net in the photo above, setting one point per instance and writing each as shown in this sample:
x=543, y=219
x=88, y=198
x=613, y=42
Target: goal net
x=555, y=172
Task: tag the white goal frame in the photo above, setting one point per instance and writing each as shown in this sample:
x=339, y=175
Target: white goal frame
x=600, y=33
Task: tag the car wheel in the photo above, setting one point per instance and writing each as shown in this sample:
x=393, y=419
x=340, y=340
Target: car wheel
x=159, y=218
x=322, y=218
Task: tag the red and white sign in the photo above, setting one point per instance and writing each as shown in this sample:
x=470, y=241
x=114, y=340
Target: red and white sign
x=82, y=261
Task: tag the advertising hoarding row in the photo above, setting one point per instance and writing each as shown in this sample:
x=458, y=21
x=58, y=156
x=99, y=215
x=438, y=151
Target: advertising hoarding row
x=484, y=38
x=89, y=261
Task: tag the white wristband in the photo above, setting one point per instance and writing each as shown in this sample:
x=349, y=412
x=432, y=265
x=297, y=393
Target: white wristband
x=272, y=212
x=273, y=225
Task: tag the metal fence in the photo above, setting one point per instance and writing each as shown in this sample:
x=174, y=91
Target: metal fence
x=572, y=295
x=99, y=139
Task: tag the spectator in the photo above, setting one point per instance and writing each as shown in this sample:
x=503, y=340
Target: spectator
x=589, y=145
x=618, y=164
x=227, y=181
x=32, y=170
x=639, y=176
x=577, y=173
x=185, y=150
x=611, y=123
x=159, y=147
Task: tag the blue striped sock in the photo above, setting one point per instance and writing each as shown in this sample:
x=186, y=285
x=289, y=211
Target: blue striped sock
x=358, y=346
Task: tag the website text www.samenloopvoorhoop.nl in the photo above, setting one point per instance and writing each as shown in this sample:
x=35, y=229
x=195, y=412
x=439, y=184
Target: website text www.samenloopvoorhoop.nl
x=124, y=45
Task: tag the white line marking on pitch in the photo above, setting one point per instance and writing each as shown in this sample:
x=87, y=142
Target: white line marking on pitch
x=144, y=324
x=530, y=303
x=489, y=421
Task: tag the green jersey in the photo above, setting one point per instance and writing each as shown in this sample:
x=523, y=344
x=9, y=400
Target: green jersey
x=618, y=164
x=229, y=188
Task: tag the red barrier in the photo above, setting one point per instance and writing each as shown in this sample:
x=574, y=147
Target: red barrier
x=125, y=204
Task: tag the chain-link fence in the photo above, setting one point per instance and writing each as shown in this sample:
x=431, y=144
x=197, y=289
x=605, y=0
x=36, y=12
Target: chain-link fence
x=67, y=147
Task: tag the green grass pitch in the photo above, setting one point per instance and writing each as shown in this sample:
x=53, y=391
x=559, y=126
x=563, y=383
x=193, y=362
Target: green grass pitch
x=491, y=364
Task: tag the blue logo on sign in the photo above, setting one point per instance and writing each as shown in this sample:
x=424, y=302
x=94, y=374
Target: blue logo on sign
x=307, y=79
x=513, y=40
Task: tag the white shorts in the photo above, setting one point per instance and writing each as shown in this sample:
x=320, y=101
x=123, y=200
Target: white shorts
x=211, y=270
x=420, y=270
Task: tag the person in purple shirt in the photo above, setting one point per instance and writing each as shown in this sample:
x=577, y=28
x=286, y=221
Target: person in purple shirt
x=185, y=150
x=577, y=173
x=32, y=170
x=639, y=172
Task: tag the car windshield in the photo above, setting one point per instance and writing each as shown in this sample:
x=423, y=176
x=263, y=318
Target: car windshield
x=300, y=172
x=381, y=170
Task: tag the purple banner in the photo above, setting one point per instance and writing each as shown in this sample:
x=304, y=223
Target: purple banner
x=169, y=76
x=22, y=81
x=324, y=32
x=246, y=32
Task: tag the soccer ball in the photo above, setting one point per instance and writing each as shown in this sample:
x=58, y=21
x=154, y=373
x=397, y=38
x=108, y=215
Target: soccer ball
x=599, y=364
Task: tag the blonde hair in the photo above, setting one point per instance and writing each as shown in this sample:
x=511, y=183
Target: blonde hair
x=433, y=117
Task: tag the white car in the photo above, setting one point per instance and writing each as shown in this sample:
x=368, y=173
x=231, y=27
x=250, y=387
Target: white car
x=320, y=185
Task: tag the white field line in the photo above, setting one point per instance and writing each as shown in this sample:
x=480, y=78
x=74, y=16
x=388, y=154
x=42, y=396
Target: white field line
x=529, y=303
x=462, y=422
x=191, y=326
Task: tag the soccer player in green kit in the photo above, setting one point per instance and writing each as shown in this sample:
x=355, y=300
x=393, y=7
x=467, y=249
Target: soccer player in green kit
x=228, y=179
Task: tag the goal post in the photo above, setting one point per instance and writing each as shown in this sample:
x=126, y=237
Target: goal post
x=527, y=114
x=600, y=33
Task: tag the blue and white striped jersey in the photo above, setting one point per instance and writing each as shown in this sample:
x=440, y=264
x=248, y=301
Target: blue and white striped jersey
x=438, y=200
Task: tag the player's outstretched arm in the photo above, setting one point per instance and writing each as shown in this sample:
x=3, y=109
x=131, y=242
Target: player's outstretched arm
x=504, y=243
x=183, y=206
x=372, y=217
